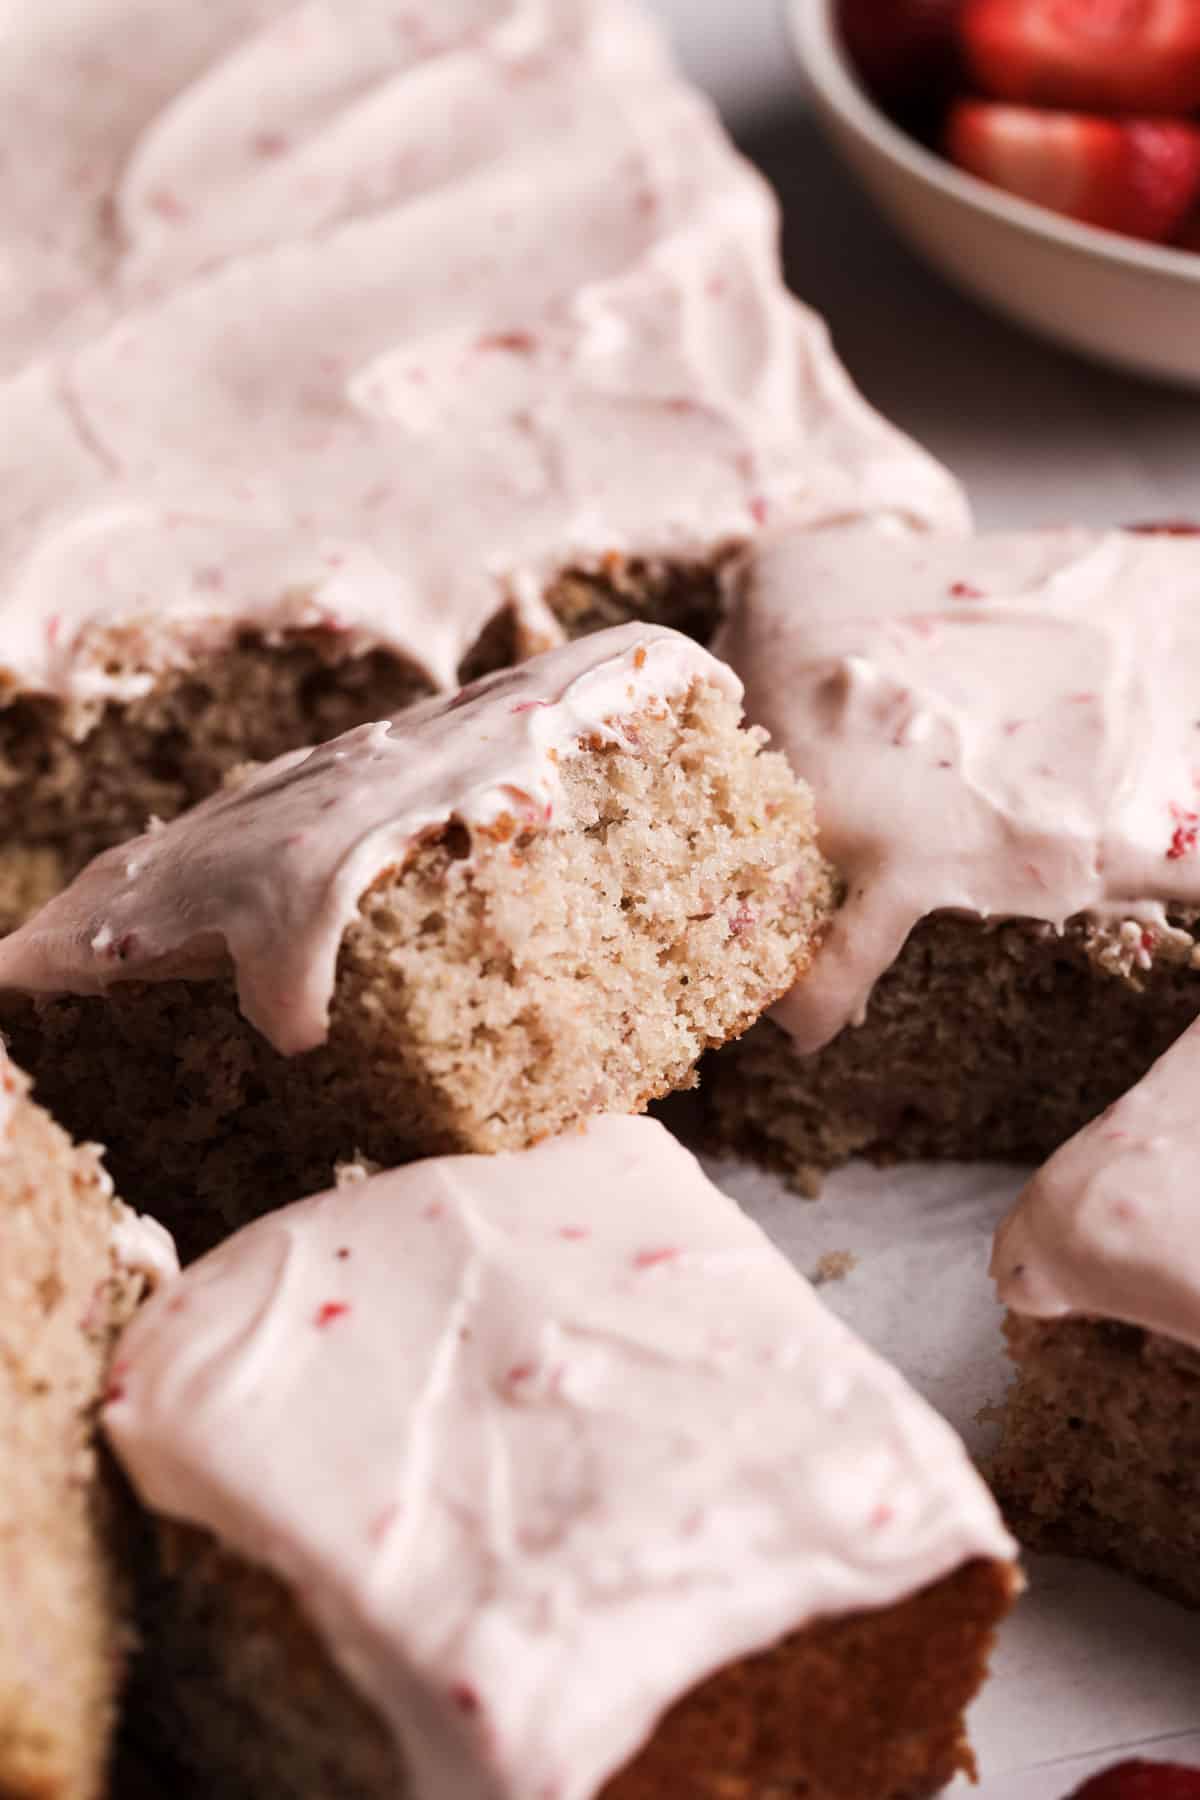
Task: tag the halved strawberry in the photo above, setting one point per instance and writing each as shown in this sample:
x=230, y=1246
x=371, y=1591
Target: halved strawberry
x=1138, y=56
x=1142, y=1781
x=904, y=50
x=1137, y=176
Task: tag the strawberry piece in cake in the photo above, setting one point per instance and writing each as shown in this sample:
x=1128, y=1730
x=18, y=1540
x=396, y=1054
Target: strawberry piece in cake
x=1098, y=1265
x=579, y=1492
x=1000, y=735
x=465, y=929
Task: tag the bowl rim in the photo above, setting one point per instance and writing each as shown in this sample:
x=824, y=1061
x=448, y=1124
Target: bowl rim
x=811, y=30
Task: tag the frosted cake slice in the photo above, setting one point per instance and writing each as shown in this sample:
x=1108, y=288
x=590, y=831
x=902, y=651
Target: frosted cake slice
x=347, y=352
x=1100, y=1268
x=463, y=930
x=544, y=1474
x=1001, y=738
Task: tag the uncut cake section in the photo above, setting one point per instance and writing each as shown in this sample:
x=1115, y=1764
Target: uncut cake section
x=572, y=1487
x=1001, y=737
x=1098, y=1266
x=463, y=930
x=74, y=1263
x=349, y=352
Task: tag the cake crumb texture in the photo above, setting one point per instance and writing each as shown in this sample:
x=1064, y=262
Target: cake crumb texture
x=979, y=1042
x=490, y=992
x=64, y=1636
x=1100, y=1447
x=867, y=1705
x=74, y=781
x=67, y=792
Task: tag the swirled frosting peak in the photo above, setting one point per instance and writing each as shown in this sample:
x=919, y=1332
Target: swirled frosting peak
x=538, y=1442
x=370, y=318
x=1002, y=726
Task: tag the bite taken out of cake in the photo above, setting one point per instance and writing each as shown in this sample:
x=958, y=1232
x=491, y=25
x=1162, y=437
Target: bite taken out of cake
x=464, y=930
x=347, y=353
x=1099, y=1264
x=74, y=1263
x=543, y=1475
x=1003, y=742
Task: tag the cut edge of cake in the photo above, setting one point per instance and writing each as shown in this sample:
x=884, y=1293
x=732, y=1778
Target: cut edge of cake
x=74, y=1264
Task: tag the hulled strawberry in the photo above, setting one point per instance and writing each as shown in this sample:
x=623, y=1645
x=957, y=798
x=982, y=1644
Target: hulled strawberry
x=1128, y=56
x=1137, y=176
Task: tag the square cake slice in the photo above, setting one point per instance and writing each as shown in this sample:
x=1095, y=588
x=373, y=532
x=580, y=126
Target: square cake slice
x=1000, y=735
x=347, y=353
x=73, y=1265
x=538, y=1477
x=1099, y=1264
x=463, y=930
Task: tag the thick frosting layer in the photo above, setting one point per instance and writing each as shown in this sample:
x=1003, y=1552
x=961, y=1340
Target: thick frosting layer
x=271, y=871
x=1109, y=1225
x=1003, y=726
x=539, y=1441
x=370, y=319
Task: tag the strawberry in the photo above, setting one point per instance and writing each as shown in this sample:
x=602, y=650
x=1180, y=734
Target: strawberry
x=1142, y=1781
x=1138, y=56
x=905, y=50
x=1138, y=176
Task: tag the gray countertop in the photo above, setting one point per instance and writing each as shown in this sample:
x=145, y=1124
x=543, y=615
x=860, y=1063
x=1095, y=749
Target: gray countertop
x=1038, y=435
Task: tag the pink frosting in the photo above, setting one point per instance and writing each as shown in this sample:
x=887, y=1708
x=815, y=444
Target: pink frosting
x=371, y=318
x=539, y=1441
x=1002, y=726
x=271, y=872
x=1109, y=1225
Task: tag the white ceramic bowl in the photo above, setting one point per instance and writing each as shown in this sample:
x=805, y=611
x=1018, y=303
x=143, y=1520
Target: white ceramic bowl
x=1112, y=297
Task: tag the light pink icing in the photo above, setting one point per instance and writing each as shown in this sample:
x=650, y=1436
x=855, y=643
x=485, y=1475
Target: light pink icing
x=271, y=871
x=1108, y=1226
x=1002, y=726
x=559, y=1436
x=372, y=318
